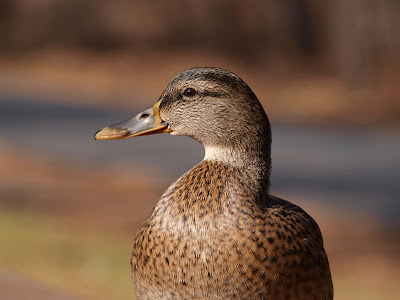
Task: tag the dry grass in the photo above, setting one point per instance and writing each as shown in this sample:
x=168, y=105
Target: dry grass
x=81, y=260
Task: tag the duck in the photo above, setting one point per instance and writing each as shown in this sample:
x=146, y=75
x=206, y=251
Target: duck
x=217, y=232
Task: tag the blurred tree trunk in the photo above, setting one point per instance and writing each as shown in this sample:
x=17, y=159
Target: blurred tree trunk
x=364, y=36
x=8, y=15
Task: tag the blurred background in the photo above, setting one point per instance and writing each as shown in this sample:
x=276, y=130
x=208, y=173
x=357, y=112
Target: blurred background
x=327, y=73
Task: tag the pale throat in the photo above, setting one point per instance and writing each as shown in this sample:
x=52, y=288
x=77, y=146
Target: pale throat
x=231, y=157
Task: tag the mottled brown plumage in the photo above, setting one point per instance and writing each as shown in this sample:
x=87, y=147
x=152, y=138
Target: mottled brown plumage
x=216, y=233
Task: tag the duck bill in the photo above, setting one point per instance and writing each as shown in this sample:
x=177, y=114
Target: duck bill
x=145, y=123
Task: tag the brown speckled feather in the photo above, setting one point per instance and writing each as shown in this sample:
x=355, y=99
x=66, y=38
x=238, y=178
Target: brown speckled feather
x=210, y=237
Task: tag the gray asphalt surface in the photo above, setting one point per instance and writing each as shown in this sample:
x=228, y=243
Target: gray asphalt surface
x=352, y=168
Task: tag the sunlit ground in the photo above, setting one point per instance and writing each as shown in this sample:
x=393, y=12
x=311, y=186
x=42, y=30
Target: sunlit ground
x=75, y=258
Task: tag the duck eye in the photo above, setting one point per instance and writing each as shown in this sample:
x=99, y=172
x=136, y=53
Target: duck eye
x=189, y=92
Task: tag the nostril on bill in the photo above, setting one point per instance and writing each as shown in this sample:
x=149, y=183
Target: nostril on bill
x=144, y=116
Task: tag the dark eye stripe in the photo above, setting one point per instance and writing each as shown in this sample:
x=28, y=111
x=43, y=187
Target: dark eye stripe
x=212, y=94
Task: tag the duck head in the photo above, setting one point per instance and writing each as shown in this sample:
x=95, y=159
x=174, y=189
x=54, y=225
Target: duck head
x=212, y=105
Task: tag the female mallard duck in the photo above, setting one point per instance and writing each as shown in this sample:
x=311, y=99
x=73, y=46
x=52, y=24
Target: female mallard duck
x=217, y=233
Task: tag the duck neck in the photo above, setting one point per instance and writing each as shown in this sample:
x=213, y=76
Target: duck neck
x=253, y=163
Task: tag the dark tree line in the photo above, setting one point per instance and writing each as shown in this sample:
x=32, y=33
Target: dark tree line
x=353, y=36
